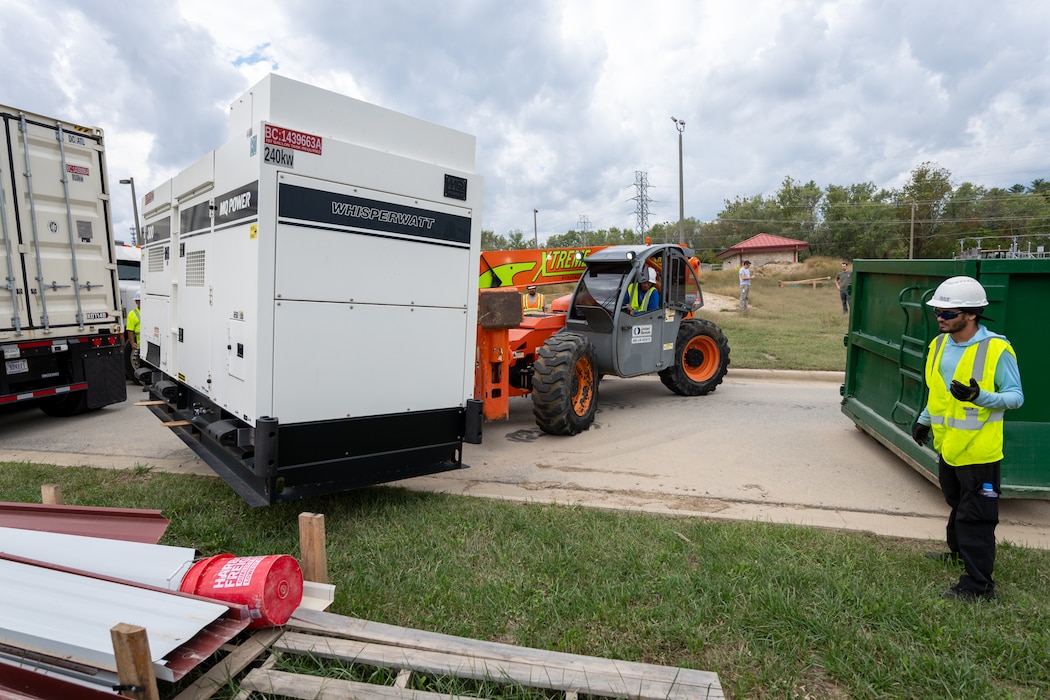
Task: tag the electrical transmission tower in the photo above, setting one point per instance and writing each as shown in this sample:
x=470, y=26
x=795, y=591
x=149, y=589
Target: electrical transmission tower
x=641, y=200
x=585, y=225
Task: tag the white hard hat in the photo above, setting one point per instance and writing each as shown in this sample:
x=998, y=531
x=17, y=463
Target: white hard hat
x=649, y=275
x=138, y=295
x=959, y=293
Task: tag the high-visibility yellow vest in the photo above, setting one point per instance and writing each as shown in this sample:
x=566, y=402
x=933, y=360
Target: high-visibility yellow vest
x=637, y=305
x=963, y=432
x=134, y=324
x=529, y=305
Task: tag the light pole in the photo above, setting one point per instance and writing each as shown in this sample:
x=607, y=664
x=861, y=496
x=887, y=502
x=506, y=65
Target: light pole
x=680, y=125
x=535, y=234
x=135, y=209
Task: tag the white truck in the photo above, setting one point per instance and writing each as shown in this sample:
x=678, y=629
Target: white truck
x=60, y=319
x=129, y=262
x=309, y=307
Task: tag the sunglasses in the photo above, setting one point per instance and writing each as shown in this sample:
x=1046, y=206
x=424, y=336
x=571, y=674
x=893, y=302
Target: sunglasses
x=948, y=315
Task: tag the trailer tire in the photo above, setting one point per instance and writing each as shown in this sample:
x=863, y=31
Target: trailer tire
x=66, y=405
x=565, y=385
x=701, y=354
x=132, y=362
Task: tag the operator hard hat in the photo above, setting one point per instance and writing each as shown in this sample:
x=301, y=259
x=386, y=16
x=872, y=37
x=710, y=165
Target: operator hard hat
x=649, y=275
x=138, y=295
x=959, y=293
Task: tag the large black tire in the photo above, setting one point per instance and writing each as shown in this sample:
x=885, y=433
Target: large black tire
x=565, y=385
x=65, y=405
x=131, y=361
x=701, y=359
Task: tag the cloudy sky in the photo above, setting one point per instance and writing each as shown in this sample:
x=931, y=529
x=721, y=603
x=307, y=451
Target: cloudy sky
x=569, y=98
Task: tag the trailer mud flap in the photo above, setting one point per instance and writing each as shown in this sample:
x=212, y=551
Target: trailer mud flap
x=474, y=420
x=104, y=373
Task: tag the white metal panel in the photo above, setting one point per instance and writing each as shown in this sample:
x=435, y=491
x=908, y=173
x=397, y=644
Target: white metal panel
x=289, y=103
x=156, y=271
x=156, y=200
x=369, y=267
x=156, y=331
x=372, y=360
x=69, y=616
x=194, y=180
x=69, y=262
x=196, y=270
x=152, y=564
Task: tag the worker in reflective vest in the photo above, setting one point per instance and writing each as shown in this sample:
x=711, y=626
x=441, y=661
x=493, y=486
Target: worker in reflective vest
x=134, y=324
x=531, y=302
x=972, y=378
x=643, y=296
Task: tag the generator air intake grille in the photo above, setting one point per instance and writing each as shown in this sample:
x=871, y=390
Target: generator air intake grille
x=195, y=268
x=156, y=259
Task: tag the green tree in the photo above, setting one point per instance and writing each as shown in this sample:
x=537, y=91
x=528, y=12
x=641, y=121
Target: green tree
x=797, y=207
x=922, y=200
x=857, y=221
x=516, y=240
x=490, y=241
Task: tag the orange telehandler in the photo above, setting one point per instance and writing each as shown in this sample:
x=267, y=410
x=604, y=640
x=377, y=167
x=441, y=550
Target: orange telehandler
x=559, y=356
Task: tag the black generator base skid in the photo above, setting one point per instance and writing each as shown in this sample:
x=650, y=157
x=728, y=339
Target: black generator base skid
x=271, y=463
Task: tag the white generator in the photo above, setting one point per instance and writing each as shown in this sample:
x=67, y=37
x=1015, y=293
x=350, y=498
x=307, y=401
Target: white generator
x=310, y=296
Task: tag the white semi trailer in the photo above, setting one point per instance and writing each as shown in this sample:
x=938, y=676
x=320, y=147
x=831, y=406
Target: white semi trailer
x=60, y=319
x=310, y=296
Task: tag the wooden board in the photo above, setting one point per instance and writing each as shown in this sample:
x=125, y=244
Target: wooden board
x=375, y=644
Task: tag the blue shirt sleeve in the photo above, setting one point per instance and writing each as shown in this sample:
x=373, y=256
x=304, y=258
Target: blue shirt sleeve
x=1008, y=393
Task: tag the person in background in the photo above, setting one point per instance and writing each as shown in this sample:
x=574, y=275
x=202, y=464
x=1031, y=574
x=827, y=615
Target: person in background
x=843, y=280
x=531, y=302
x=972, y=378
x=745, y=283
x=134, y=325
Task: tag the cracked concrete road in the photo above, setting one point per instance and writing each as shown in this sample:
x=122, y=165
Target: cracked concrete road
x=766, y=446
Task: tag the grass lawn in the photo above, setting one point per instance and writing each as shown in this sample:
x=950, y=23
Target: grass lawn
x=777, y=611
x=789, y=327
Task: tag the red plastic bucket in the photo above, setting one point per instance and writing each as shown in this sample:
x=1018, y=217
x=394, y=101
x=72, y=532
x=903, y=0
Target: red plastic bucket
x=271, y=586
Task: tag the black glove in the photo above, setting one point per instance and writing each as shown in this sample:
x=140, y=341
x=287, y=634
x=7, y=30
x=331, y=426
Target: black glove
x=963, y=392
x=920, y=433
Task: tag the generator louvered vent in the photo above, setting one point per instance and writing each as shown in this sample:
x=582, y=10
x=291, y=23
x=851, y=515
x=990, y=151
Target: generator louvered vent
x=156, y=259
x=195, y=268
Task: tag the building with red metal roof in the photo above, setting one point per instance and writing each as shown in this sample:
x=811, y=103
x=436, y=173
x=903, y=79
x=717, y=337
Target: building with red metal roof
x=762, y=249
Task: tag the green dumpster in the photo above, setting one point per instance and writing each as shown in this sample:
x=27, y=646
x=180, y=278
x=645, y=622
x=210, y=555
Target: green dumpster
x=890, y=327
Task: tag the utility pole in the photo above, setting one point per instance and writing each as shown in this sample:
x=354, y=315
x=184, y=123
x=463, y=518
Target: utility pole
x=911, y=239
x=680, y=125
x=134, y=209
x=535, y=234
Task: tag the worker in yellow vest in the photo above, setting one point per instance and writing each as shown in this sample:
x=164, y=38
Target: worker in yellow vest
x=134, y=324
x=643, y=296
x=972, y=377
x=531, y=302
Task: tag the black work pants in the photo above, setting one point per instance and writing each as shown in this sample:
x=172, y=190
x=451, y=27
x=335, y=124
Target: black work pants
x=971, y=524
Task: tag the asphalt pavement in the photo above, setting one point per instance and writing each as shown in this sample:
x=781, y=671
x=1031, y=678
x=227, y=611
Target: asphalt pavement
x=766, y=446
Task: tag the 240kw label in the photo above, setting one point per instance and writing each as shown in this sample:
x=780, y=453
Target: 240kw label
x=279, y=156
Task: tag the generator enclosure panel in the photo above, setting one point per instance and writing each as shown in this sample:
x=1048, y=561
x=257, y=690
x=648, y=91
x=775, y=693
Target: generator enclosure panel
x=61, y=327
x=310, y=295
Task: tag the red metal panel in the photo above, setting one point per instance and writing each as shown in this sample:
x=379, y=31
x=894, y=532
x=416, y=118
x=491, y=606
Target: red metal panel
x=127, y=524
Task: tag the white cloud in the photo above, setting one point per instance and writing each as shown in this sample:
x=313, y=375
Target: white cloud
x=568, y=98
